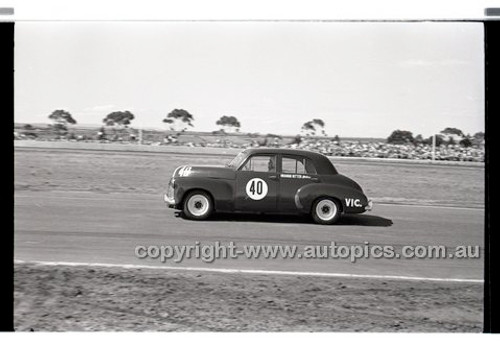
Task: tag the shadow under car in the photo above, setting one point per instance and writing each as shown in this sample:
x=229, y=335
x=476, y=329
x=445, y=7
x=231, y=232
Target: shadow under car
x=345, y=220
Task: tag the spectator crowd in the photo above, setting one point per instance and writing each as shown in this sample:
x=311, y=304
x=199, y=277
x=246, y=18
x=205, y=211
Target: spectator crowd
x=420, y=151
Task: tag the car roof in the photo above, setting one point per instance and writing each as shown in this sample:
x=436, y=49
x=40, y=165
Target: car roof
x=283, y=151
x=321, y=162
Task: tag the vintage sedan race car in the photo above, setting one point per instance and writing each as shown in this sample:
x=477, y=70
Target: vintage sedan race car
x=267, y=181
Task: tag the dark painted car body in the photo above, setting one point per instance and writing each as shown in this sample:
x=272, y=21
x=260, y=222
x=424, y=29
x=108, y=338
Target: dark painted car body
x=291, y=183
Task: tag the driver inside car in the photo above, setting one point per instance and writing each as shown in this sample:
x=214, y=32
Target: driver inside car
x=272, y=164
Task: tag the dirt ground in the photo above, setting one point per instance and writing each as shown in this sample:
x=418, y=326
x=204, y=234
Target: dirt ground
x=69, y=298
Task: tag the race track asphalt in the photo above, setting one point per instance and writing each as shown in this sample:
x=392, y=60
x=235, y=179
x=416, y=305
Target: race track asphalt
x=92, y=227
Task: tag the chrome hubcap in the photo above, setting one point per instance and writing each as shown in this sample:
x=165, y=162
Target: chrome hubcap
x=198, y=205
x=326, y=210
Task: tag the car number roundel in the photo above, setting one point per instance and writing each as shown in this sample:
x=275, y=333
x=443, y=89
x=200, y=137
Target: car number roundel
x=256, y=189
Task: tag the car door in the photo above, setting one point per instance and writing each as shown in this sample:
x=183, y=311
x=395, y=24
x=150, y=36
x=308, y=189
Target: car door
x=295, y=172
x=257, y=184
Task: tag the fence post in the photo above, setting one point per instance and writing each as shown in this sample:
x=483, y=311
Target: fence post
x=434, y=147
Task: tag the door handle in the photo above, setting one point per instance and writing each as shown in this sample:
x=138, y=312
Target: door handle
x=273, y=177
x=315, y=179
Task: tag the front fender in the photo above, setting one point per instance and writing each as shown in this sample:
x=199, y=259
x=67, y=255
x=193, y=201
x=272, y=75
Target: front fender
x=221, y=190
x=352, y=200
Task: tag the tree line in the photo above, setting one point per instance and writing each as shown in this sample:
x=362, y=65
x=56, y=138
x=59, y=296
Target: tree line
x=448, y=136
x=180, y=120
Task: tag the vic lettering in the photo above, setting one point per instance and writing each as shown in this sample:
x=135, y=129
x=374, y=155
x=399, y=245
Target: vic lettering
x=351, y=202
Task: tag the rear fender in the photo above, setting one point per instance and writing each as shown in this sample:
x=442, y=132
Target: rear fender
x=352, y=200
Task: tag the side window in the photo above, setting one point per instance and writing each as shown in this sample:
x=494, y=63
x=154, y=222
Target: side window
x=289, y=165
x=300, y=167
x=309, y=166
x=260, y=163
x=297, y=165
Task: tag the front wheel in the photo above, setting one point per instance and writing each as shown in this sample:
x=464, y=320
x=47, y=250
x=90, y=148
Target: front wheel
x=198, y=205
x=326, y=211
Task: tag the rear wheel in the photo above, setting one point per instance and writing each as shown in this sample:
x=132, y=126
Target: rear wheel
x=326, y=211
x=198, y=205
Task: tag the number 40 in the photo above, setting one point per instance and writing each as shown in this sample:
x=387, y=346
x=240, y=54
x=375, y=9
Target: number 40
x=256, y=188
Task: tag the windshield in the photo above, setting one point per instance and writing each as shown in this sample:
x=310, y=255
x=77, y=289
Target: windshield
x=235, y=162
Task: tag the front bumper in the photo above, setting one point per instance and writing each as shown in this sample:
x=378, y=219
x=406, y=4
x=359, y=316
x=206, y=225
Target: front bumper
x=169, y=201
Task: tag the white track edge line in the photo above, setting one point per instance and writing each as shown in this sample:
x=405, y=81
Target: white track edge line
x=427, y=206
x=250, y=271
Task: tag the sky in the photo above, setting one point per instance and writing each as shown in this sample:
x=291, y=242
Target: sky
x=361, y=79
